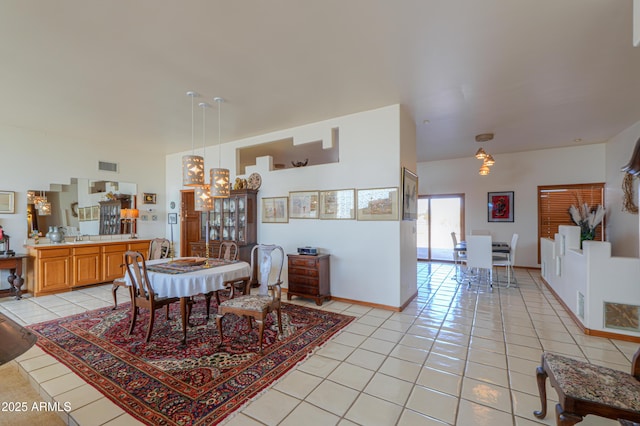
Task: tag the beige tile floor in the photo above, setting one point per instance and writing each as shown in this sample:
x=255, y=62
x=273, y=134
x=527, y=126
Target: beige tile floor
x=455, y=355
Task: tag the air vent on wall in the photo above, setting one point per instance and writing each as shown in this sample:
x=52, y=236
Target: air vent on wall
x=107, y=167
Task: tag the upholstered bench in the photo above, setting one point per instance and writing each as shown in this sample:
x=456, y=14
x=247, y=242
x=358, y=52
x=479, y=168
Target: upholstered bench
x=585, y=388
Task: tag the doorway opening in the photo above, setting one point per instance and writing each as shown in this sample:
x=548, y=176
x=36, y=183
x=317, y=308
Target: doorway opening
x=438, y=217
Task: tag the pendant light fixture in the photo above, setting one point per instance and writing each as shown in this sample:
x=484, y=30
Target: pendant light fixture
x=219, y=176
x=481, y=154
x=202, y=196
x=192, y=165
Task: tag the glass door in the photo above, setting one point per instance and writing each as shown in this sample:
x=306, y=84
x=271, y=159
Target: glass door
x=438, y=217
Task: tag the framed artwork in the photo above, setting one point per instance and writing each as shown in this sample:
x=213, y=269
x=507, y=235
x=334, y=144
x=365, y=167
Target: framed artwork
x=303, y=205
x=500, y=206
x=338, y=204
x=409, y=195
x=377, y=204
x=7, y=202
x=95, y=212
x=82, y=214
x=149, y=198
x=173, y=218
x=275, y=210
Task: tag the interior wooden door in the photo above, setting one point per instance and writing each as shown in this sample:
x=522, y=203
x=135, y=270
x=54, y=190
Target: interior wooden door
x=189, y=222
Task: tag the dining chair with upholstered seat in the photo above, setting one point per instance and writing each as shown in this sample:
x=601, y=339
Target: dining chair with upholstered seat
x=159, y=248
x=507, y=260
x=228, y=251
x=141, y=290
x=269, y=260
x=479, y=259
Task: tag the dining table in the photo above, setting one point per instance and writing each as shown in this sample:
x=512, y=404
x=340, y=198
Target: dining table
x=500, y=248
x=175, y=278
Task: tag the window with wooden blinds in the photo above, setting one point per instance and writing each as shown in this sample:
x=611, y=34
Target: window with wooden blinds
x=554, y=202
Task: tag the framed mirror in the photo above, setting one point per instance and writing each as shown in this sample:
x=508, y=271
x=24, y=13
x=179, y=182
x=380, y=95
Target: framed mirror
x=83, y=207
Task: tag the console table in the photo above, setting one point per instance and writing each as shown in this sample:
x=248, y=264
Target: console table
x=14, y=265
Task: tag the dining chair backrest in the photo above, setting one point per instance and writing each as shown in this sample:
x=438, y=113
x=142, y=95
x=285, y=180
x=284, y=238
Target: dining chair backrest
x=267, y=260
x=480, y=232
x=137, y=270
x=228, y=250
x=512, y=249
x=159, y=248
x=479, y=252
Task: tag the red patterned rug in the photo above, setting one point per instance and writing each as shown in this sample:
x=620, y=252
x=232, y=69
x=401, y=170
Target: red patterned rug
x=162, y=383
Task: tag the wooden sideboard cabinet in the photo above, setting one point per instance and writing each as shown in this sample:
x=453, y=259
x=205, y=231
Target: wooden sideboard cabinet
x=309, y=277
x=57, y=268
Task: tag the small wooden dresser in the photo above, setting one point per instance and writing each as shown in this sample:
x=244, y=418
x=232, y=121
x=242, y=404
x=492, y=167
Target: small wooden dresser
x=309, y=277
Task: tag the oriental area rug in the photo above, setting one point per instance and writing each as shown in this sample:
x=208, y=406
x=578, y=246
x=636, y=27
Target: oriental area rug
x=161, y=382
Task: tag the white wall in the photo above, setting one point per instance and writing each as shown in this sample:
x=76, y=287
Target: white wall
x=33, y=160
x=365, y=255
x=519, y=172
x=622, y=227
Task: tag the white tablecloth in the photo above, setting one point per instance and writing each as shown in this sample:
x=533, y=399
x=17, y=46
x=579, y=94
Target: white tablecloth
x=193, y=283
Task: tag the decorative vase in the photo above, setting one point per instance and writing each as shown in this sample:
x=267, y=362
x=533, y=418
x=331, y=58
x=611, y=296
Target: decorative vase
x=55, y=234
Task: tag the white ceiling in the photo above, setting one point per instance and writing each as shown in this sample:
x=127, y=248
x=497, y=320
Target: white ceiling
x=538, y=74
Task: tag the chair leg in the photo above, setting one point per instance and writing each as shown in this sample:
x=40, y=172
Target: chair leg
x=207, y=301
x=152, y=316
x=134, y=316
x=260, y=334
x=566, y=419
x=219, y=323
x=115, y=298
x=279, y=313
x=541, y=378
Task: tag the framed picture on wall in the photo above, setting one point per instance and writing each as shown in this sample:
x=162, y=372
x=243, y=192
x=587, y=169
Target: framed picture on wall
x=275, y=210
x=7, y=202
x=409, y=195
x=303, y=205
x=149, y=198
x=338, y=204
x=377, y=204
x=500, y=206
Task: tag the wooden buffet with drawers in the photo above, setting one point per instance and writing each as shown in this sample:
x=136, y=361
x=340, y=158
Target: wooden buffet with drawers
x=55, y=268
x=309, y=277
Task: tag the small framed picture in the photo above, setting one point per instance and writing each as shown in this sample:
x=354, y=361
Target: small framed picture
x=409, y=195
x=149, y=198
x=303, y=205
x=275, y=210
x=378, y=204
x=500, y=206
x=338, y=204
x=82, y=214
x=173, y=218
x=7, y=202
x=95, y=212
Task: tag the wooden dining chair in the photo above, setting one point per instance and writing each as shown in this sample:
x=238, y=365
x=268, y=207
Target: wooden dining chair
x=158, y=249
x=228, y=251
x=269, y=260
x=142, y=294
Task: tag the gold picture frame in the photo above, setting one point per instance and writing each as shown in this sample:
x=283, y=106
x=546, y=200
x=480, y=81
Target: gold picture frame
x=7, y=202
x=339, y=204
x=303, y=205
x=275, y=210
x=377, y=203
